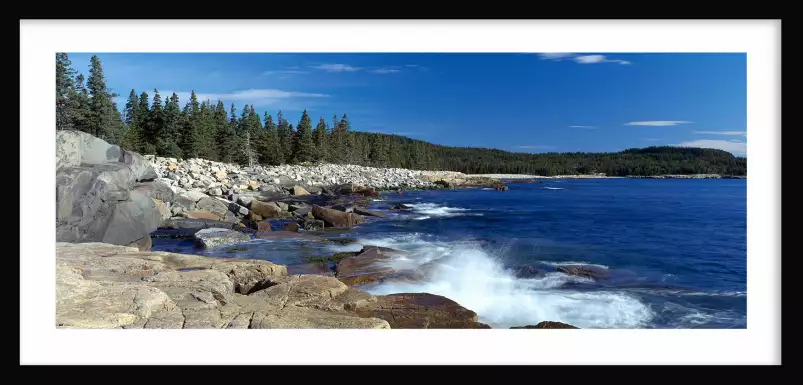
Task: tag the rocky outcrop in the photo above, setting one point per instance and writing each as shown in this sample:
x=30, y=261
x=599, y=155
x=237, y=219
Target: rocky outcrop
x=109, y=286
x=547, y=325
x=420, y=311
x=102, y=192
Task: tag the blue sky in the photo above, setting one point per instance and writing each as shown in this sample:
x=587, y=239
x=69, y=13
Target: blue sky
x=516, y=102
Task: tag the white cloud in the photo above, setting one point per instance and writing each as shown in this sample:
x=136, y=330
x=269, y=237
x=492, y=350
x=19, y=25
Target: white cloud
x=555, y=55
x=591, y=59
x=534, y=147
x=385, y=70
x=733, y=146
x=350, y=68
x=722, y=132
x=283, y=72
x=588, y=127
x=657, y=123
x=582, y=59
x=257, y=97
x=336, y=68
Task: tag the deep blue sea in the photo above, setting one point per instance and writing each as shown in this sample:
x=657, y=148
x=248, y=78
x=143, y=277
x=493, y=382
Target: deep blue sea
x=674, y=250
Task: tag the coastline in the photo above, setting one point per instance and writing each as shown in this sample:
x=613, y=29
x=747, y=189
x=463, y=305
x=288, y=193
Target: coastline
x=113, y=203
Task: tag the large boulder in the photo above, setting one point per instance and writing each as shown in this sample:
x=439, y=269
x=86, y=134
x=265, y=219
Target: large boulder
x=336, y=218
x=75, y=148
x=420, y=311
x=99, y=196
x=213, y=205
x=265, y=210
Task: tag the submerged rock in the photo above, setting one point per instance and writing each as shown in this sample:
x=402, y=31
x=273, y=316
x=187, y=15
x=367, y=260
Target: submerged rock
x=366, y=266
x=584, y=271
x=362, y=211
x=211, y=238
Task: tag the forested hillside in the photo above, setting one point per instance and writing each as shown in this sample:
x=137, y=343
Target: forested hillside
x=151, y=123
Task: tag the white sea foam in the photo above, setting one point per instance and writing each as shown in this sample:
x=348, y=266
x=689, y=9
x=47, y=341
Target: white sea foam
x=474, y=278
x=436, y=210
x=554, y=188
x=422, y=217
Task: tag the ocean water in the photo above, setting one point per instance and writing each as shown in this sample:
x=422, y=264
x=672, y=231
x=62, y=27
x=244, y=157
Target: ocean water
x=674, y=251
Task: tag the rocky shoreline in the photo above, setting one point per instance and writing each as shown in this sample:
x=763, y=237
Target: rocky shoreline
x=111, y=201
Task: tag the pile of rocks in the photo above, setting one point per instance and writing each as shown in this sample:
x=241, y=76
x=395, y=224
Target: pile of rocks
x=217, y=178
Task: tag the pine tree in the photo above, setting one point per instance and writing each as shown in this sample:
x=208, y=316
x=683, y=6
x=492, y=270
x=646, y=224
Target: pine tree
x=207, y=132
x=104, y=119
x=152, y=125
x=142, y=116
x=131, y=107
x=341, y=145
x=167, y=137
x=190, y=142
x=303, y=144
x=378, y=153
x=270, y=151
x=320, y=136
x=81, y=106
x=131, y=137
x=254, y=123
x=225, y=134
x=285, y=134
x=65, y=92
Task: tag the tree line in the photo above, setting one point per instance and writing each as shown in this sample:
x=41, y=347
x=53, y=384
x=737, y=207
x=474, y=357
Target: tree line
x=151, y=124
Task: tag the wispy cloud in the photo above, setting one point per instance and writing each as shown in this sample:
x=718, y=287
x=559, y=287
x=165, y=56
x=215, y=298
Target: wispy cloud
x=555, y=55
x=733, y=146
x=336, y=68
x=351, y=68
x=653, y=139
x=581, y=59
x=386, y=70
x=588, y=127
x=284, y=72
x=534, y=147
x=744, y=133
x=257, y=97
x=658, y=123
